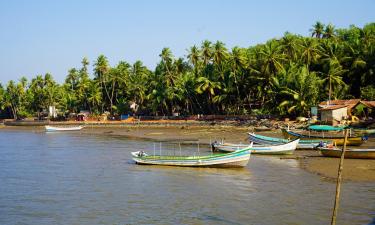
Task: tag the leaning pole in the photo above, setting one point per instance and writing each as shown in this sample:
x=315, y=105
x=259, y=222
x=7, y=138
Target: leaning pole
x=338, y=184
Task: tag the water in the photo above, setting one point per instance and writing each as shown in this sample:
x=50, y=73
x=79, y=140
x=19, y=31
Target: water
x=72, y=178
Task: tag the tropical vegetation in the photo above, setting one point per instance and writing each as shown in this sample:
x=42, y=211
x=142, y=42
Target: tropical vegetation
x=284, y=76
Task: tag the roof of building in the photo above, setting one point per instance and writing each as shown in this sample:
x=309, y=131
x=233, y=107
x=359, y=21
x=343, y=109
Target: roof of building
x=333, y=107
x=370, y=104
x=340, y=102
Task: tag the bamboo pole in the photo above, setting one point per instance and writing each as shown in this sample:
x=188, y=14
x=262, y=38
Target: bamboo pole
x=339, y=178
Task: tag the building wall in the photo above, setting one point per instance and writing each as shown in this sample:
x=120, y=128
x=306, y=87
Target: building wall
x=337, y=114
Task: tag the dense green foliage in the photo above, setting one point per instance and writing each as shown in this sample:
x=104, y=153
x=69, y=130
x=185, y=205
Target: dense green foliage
x=283, y=76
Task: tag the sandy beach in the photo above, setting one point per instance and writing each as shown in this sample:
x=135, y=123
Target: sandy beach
x=310, y=160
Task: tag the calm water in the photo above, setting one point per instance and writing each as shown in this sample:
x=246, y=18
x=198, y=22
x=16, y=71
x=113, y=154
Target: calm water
x=70, y=178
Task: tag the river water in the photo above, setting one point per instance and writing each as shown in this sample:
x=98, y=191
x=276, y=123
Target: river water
x=73, y=178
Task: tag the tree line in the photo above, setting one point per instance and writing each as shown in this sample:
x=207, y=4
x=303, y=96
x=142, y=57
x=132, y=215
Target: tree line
x=284, y=76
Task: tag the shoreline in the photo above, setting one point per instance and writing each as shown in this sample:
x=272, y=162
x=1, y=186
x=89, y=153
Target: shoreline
x=357, y=170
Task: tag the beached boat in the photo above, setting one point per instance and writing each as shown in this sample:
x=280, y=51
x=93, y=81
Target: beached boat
x=281, y=149
x=337, y=140
x=238, y=158
x=266, y=140
x=51, y=128
x=349, y=153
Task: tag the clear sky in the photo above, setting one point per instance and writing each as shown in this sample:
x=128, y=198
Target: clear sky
x=52, y=36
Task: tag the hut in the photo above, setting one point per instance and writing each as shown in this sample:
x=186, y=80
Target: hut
x=333, y=113
x=364, y=109
x=349, y=103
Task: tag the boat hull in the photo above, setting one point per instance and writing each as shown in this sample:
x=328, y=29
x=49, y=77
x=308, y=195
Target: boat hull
x=236, y=159
x=350, y=154
x=265, y=140
x=351, y=141
x=51, y=128
x=281, y=149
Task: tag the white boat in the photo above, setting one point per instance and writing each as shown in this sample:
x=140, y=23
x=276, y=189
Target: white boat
x=302, y=144
x=238, y=158
x=281, y=149
x=51, y=128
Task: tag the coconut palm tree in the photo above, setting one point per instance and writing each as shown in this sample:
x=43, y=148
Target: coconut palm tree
x=194, y=58
x=299, y=90
x=332, y=78
x=329, y=31
x=309, y=51
x=206, y=52
x=101, y=68
x=317, y=30
x=94, y=96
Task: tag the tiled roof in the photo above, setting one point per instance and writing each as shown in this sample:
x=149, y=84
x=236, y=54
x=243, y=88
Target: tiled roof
x=333, y=107
x=340, y=102
x=370, y=104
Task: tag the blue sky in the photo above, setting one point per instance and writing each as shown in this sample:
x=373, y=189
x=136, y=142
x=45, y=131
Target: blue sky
x=37, y=37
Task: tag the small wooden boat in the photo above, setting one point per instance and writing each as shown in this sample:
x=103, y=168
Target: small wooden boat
x=51, y=128
x=338, y=140
x=238, y=158
x=281, y=149
x=363, y=131
x=349, y=153
x=266, y=140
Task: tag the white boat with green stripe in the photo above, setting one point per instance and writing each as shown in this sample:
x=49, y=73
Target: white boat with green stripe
x=239, y=158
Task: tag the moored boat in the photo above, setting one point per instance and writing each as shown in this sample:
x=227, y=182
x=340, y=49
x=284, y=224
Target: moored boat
x=51, y=128
x=364, y=131
x=349, y=153
x=337, y=140
x=238, y=158
x=281, y=149
x=266, y=140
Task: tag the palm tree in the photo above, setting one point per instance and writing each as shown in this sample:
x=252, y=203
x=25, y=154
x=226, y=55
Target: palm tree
x=167, y=63
x=299, y=90
x=219, y=55
x=237, y=64
x=206, y=51
x=289, y=45
x=329, y=31
x=317, y=30
x=194, y=57
x=204, y=85
x=101, y=72
x=333, y=77
x=310, y=51
x=94, y=96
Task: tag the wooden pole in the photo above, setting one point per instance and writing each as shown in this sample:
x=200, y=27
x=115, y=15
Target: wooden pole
x=339, y=178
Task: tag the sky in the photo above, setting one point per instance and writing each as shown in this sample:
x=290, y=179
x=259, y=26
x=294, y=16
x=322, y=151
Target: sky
x=38, y=37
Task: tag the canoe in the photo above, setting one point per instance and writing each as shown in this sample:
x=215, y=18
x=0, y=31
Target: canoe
x=51, y=128
x=266, y=140
x=349, y=153
x=338, y=140
x=363, y=131
x=281, y=149
x=238, y=158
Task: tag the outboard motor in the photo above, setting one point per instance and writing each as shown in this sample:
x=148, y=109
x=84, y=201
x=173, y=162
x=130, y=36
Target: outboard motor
x=364, y=138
